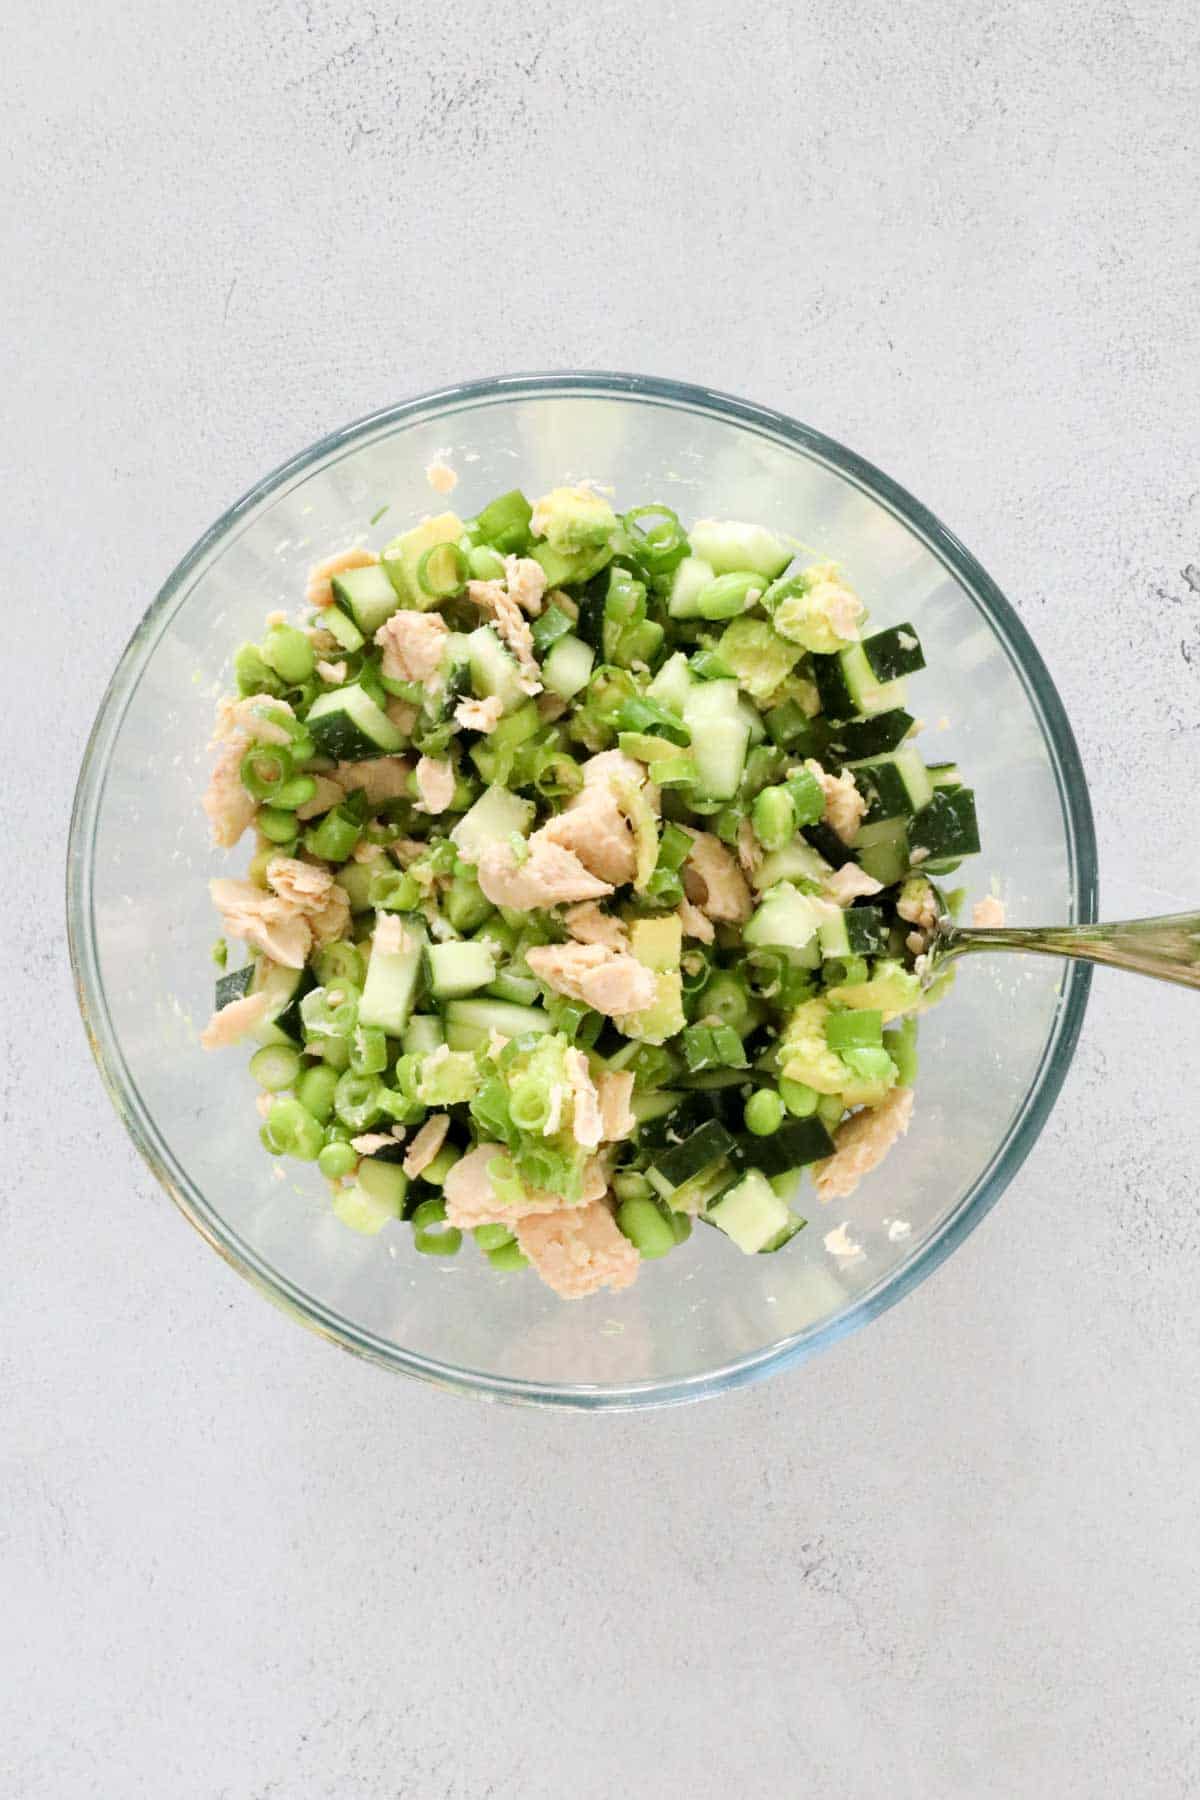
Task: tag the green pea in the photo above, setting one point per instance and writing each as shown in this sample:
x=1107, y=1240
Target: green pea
x=337, y=1159
x=277, y=825
x=315, y=1090
x=774, y=818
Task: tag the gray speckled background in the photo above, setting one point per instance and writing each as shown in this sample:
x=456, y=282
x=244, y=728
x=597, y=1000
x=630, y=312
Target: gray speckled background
x=958, y=1556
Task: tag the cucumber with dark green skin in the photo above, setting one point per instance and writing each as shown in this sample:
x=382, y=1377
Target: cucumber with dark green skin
x=947, y=827
x=945, y=775
x=894, y=652
x=687, y=1114
x=799, y=1142
x=234, y=986
x=893, y=785
x=697, y=1152
x=348, y=725
x=859, y=931
x=826, y=841
x=857, y=738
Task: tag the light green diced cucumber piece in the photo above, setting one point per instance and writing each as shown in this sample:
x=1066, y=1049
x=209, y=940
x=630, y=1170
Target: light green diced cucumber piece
x=672, y=684
x=347, y=725
x=494, y=670
x=796, y=860
x=391, y=984
x=361, y=1211
x=341, y=626
x=422, y=1034
x=751, y=1214
x=788, y=920
x=720, y=736
x=881, y=849
x=691, y=577
x=728, y=546
x=470, y=1023
x=366, y=596
x=568, y=667
x=460, y=968
x=492, y=820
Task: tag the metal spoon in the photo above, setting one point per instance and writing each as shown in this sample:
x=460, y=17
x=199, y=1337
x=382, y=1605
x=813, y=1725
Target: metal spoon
x=1168, y=948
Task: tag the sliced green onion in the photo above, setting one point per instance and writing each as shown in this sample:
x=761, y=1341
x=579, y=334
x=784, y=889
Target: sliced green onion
x=296, y=792
x=393, y=890
x=315, y=1090
x=368, y=1051
x=356, y=1100
x=443, y=570
x=657, y=546
x=508, y=1257
x=289, y=653
x=338, y=963
x=291, y=1130
x=492, y=1237
x=275, y=1067
x=265, y=769
x=330, y=1012
x=431, y=1235
x=276, y=825
x=854, y=1029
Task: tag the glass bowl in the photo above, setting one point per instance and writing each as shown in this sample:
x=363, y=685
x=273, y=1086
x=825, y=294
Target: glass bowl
x=993, y=1056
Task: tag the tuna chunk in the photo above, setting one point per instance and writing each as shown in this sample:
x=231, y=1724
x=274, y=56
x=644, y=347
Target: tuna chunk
x=579, y=1250
x=844, y=805
x=713, y=881
x=525, y=579
x=694, y=923
x=306, y=886
x=319, y=592
x=587, y=1126
x=917, y=905
x=412, y=645
x=232, y=1023
x=479, y=715
x=276, y=927
x=851, y=883
x=749, y=850
x=240, y=723
x=615, y=1091
x=988, y=913
x=426, y=1145
x=607, y=980
x=327, y=796
x=549, y=876
x=597, y=831
x=588, y=925
x=381, y=778
x=440, y=475
x=471, y=1199
x=862, y=1143
x=435, y=784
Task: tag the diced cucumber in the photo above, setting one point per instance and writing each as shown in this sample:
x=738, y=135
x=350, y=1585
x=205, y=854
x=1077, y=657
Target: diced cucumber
x=384, y=1180
x=348, y=725
x=492, y=820
x=860, y=931
x=564, y=568
x=522, y=990
x=462, y=968
x=494, y=670
x=751, y=1214
x=894, y=653
x=796, y=1144
x=285, y=988
x=233, y=986
x=788, y=920
x=882, y=850
x=690, y=577
x=366, y=596
x=894, y=784
x=947, y=828
x=672, y=684
x=848, y=685
x=341, y=626
x=422, y=1034
x=680, y=1162
x=391, y=984
x=859, y=738
x=720, y=736
x=362, y=1212
x=945, y=775
x=402, y=557
x=729, y=545
x=568, y=667
x=798, y=859
x=470, y=1023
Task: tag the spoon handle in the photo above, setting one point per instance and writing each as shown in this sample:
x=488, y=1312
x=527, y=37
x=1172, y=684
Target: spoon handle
x=1168, y=948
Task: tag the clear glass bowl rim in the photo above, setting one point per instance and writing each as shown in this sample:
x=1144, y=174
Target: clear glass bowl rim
x=992, y=1180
